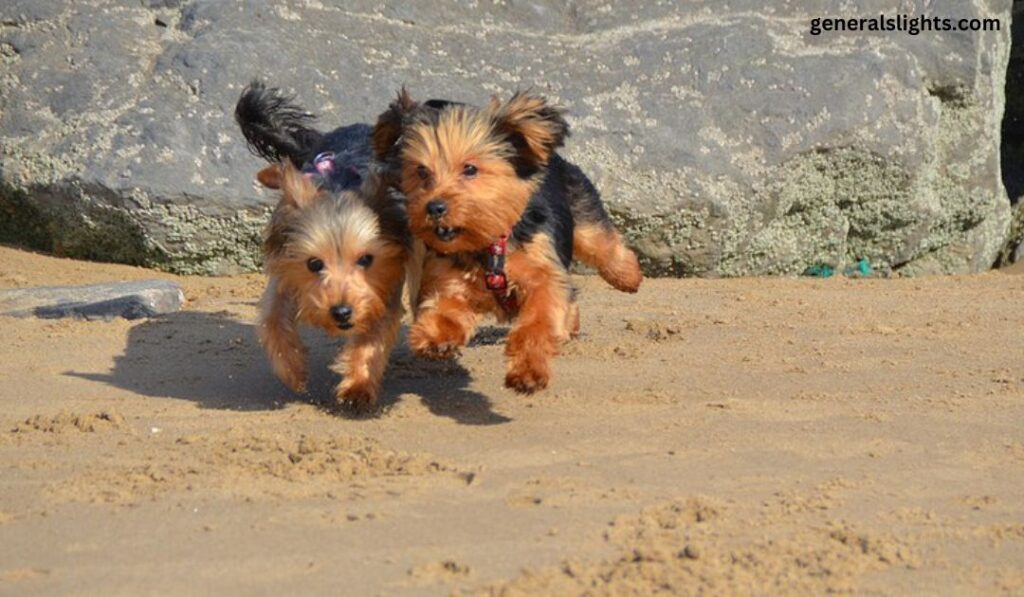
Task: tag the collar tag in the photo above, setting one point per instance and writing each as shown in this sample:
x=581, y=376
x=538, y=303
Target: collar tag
x=495, y=277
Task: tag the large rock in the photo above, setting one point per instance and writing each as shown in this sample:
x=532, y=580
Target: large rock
x=1013, y=139
x=727, y=140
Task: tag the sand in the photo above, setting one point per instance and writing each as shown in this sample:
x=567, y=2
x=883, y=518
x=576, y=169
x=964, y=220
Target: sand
x=716, y=436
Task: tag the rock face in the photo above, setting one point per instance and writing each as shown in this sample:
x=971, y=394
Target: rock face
x=1013, y=139
x=726, y=140
x=130, y=300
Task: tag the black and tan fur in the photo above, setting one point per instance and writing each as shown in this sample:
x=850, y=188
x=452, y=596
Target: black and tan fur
x=496, y=172
x=335, y=252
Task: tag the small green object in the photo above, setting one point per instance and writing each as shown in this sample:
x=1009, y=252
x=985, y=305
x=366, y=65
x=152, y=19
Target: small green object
x=861, y=269
x=821, y=270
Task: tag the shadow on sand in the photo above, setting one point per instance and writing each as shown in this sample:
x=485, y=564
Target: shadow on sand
x=214, y=360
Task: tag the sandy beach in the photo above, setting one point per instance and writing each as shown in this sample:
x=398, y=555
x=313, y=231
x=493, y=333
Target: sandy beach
x=736, y=435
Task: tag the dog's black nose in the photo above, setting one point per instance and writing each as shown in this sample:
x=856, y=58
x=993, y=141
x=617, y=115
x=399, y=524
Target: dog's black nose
x=437, y=208
x=341, y=313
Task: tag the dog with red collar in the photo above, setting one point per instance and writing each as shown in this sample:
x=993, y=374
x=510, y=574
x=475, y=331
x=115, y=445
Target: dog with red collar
x=502, y=216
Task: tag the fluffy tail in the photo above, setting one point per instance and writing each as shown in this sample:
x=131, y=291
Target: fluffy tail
x=595, y=240
x=274, y=127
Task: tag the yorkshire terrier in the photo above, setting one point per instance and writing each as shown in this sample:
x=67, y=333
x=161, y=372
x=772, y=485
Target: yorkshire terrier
x=336, y=248
x=502, y=216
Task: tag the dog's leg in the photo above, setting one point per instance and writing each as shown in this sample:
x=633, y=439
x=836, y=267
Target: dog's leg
x=573, y=319
x=545, y=315
x=446, y=315
x=599, y=244
x=595, y=241
x=363, y=360
x=279, y=336
x=414, y=273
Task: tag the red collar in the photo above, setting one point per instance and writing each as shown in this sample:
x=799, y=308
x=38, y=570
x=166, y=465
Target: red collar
x=495, y=277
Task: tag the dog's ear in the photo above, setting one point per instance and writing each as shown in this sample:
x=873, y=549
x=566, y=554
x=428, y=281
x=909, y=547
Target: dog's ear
x=389, y=124
x=270, y=177
x=297, y=189
x=533, y=126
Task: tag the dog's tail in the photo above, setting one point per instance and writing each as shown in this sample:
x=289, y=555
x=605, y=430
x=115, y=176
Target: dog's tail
x=274, y=127
x=595, y=240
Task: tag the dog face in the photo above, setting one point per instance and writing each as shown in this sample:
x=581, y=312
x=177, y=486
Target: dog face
x=327, y=254
x=468, y=173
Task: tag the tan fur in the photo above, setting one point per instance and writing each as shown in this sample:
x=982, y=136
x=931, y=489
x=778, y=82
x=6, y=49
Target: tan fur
x=453, y=297
x=414, y=274
x=337, y=230
x=602, y=247
x=481, y=207
x=280, y=338
x=296, y=189
x=364, y=360
x=573, y=319
x=522, y=114
x=450, y=300
x=545, y=315
x=484, y=206
x=270, y=176
x=389, y=124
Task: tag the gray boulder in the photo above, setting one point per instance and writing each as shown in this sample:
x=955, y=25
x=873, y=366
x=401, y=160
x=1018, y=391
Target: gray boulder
x=727, y=140
x=1013, y=139
x=130, y=300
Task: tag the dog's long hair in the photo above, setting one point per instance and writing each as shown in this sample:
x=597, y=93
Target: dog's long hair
x=337, y=247
x=513, y=148
x=275, y=128
x=481, y=182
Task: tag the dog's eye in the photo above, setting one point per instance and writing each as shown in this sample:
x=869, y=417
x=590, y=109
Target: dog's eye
x=314, y=264
x=422, y=172
x=365, y=261
x=469, y=170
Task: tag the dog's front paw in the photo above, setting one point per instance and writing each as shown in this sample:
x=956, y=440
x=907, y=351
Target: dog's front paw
x=291, y=372
x=436, y=341
x=527, y=378
x=358, y=398
x=439, y=352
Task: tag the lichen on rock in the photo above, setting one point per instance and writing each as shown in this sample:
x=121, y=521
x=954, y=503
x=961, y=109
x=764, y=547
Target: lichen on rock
x=727, y=142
